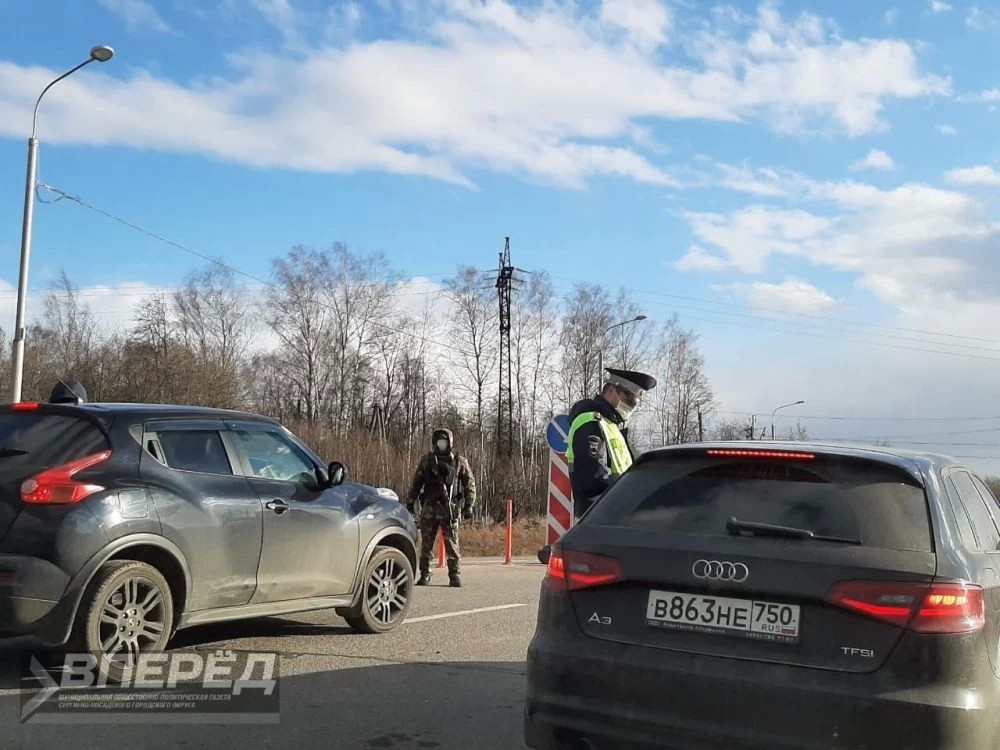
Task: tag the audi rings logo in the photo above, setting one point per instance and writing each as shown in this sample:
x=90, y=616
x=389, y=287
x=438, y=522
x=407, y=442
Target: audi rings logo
x=715, y=570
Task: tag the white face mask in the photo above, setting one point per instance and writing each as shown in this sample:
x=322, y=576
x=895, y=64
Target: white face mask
x=442, y=445
x=624, y=410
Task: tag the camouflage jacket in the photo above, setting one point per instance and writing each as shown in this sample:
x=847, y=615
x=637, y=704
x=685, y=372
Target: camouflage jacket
x=436, y=475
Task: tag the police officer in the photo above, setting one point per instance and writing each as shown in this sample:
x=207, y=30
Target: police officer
x=597, y=445
x=444, y=483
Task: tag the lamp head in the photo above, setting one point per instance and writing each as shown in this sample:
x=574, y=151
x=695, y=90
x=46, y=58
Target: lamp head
x=102, y=53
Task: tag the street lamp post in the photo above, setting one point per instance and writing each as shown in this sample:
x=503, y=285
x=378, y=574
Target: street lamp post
x=600, y=345
x=99, y=54
x=779, y=409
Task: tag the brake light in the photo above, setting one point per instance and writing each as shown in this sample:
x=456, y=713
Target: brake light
x=571, y=571
x=921, y=607
x=56, y=486
x=25, y=406
x=733, y=453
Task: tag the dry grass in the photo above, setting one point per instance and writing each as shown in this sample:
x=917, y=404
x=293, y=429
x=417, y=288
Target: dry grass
x=488, y=540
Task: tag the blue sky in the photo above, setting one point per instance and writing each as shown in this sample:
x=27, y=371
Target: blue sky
x=838, y=161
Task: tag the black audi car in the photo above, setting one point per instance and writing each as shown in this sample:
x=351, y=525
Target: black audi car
x=122, y=523
x=749, y=595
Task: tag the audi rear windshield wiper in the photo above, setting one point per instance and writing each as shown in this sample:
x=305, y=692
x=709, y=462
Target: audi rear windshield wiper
x=5, y=451
x=736, y=527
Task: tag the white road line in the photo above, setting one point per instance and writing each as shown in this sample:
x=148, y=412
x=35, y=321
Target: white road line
x=462, y=612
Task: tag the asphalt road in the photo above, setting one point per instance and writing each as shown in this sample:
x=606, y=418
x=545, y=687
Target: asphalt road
x=446, y=678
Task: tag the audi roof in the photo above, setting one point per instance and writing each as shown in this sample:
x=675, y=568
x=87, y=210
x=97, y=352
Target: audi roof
x=901, y=457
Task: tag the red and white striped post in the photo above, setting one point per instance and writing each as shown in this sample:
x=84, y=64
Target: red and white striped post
x=560, y=518
x=560, y=506
x=509, y=535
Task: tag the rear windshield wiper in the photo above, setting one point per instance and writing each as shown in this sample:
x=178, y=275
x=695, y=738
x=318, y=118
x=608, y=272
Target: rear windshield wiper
x=736, y=527
x=5, y=451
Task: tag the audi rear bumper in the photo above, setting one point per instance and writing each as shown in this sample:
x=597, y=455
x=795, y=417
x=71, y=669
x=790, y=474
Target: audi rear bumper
x=622, y=695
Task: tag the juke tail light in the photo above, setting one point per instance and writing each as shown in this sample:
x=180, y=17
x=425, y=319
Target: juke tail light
x=57, y=486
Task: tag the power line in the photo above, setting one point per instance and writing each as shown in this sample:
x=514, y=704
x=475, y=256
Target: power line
x=973, y=347
x=764, y=327
x=858, y=419
x=234, y=269
x=866, y=324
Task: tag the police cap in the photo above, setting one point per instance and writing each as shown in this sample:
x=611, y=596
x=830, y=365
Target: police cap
x=634, y=382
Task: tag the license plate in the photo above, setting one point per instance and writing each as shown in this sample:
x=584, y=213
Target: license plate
x=747, y=618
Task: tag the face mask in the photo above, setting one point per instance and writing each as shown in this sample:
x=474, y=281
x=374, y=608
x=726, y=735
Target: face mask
x=442, y=445
x=624, y=410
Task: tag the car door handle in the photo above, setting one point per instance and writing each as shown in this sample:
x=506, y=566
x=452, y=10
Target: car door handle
x=278, y=506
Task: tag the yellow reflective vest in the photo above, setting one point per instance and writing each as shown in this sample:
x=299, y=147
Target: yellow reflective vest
x=619, y=455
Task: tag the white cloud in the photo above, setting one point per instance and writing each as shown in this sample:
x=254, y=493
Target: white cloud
x=948, y=130
x=876, y=159
x=891, y=16
x=138, y=15
x=699, y=259
x=751, y=235
x=980, y=20
x=939, y=6
x=544, y=92
x=791, y=295
x=989, y=96
x=281, y=15
x=979, y=175
x=912, y=247
x=647, y=23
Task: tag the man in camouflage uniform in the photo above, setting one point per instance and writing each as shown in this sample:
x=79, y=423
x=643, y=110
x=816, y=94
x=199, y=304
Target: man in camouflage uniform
x=444, y=484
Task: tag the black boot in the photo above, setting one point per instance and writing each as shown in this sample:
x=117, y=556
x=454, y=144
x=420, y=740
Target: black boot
x=544, y=554
x=455, y=581
x=425, y=579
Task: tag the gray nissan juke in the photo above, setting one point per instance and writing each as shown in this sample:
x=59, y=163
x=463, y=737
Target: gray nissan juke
x=123, y=523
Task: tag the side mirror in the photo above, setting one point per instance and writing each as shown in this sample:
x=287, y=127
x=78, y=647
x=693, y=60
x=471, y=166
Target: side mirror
x=322, y=477
x=338, y=473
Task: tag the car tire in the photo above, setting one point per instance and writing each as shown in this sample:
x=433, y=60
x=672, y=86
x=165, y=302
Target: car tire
x=387, y=590
x=138, y=597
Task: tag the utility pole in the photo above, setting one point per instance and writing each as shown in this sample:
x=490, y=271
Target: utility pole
x=505, y=404
x=701, y=428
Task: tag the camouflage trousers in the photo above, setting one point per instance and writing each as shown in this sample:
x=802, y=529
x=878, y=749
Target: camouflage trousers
x=431, y=519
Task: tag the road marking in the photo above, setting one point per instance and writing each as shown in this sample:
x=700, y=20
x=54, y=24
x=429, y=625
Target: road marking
x=462, y=612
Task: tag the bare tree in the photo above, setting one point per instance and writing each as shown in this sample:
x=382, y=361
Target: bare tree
x=684, y=389
x=729, y=429
x=72, y=325
x=359, y=291
x=588, y=315
x=627, y=346
x=798, y=432
x=214, y=317
x=534, y=338
x=298, y=313
x=474, y=334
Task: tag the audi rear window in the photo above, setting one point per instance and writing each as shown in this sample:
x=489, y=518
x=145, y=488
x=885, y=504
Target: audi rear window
x=834, y=496
x=33, y=439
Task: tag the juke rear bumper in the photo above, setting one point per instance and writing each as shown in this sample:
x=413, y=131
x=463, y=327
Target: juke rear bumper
x=596, y=694
x=31, y=591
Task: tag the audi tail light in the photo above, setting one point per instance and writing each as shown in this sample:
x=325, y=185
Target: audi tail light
x=921, y=607
x=571, y=571
x=735, y=453
x=57, y=486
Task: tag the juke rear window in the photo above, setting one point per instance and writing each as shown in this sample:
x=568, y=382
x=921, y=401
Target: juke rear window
x=47, y=439
x=834, y=496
